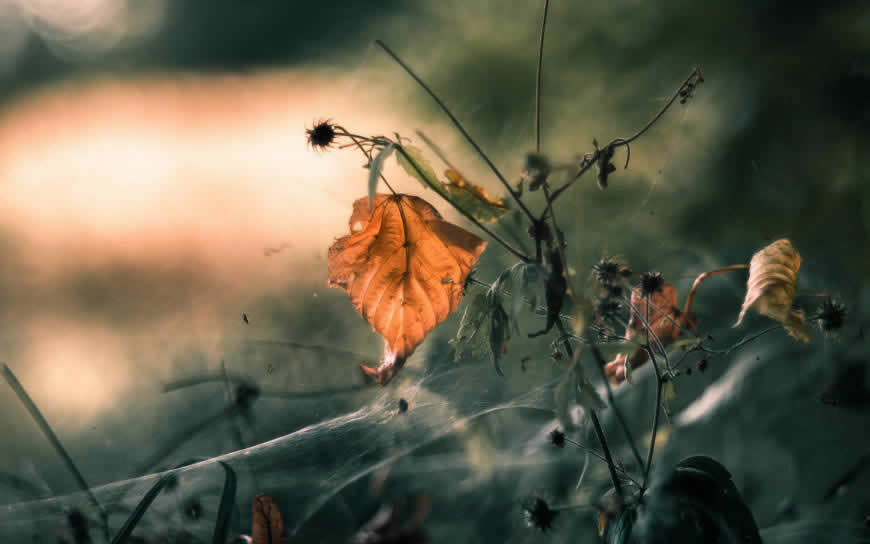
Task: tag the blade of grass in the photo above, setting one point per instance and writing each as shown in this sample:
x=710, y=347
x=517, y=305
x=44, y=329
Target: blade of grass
x=43, y=425
x=228, y=502
x=145, y=503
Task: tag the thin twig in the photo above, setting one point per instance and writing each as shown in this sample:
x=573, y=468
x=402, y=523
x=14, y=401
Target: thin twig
x=592, y=158
x=599, y=360
x=459, y=127
x=625, y=141
x=596, y=424
x=539, y=78
x=659, y=384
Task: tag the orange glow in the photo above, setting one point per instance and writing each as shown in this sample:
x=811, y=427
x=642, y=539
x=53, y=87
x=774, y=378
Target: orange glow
x=143, y=207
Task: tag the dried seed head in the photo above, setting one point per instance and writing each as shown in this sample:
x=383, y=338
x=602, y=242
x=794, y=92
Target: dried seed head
x=609, y=271
x=650, y=282
x=832, y=315
x=539, y=515
x=321, y=136
x=557, y=438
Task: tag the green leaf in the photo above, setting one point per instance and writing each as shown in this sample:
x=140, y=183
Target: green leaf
x=416, y=165
x=375, y=171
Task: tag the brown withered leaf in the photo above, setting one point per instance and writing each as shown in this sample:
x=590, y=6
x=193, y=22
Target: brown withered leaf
x=663, y=307
x=473, y=198
x=771, y=287
x=267, y=525
x=393, y=266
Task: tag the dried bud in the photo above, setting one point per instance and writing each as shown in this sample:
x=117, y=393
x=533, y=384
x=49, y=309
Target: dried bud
x=536, y=170
x=321, y=136
x=650, y=283
x=609, y=271
x=539, y=515
x=832, y=314
x=557, y=438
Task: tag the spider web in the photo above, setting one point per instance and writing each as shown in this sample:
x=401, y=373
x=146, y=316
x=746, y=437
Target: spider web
x=308, y=470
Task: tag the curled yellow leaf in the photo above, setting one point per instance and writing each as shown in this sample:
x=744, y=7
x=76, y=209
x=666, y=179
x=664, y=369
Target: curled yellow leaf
x=772, y=285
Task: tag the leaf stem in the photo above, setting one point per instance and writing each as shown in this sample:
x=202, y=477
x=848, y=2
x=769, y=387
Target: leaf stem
x=706, y=275
x=459, y=127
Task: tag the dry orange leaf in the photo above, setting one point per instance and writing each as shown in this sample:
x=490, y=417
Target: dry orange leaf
x=771, y=287
x=404, y=268
x=268, y=528
x=663, y=314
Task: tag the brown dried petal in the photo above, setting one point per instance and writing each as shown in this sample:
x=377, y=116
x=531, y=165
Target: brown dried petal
x=772, y=285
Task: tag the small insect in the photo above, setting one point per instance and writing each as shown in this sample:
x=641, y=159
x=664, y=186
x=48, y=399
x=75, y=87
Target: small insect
x=245, y=318
x=523, y=362
x=403, y=406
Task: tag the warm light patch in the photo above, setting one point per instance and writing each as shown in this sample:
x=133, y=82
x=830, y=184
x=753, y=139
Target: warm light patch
x=74, y=375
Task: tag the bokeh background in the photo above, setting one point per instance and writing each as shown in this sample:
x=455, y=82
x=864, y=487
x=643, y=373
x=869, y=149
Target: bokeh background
x=156, y=184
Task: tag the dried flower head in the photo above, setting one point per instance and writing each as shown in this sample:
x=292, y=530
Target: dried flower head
x=650, y=283
x=609, y=271
x=539, y=515
x=831, y=316
x=322, y=135
x=557, y=438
